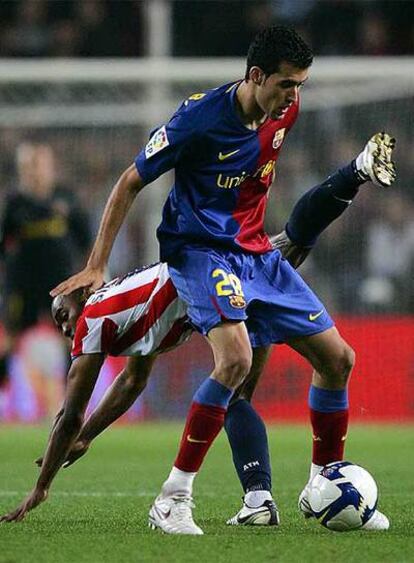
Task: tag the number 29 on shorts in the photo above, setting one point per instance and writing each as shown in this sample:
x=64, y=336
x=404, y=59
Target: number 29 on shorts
x=227, y=284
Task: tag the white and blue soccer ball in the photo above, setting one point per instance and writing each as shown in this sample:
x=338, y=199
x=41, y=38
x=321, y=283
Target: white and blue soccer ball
x=343, y=496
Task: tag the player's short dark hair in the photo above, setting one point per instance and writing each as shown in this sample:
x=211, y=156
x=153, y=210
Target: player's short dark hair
x=277, y=44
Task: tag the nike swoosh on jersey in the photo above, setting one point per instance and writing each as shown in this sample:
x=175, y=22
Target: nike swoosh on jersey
x=313, y=317
x=223, y=156
x=195, y=441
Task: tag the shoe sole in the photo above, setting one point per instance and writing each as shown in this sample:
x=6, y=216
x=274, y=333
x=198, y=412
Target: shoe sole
x=382, y=166
x=152, y=525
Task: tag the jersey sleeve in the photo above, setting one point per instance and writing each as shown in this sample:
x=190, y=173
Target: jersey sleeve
x=93, y=336
x=166, y=145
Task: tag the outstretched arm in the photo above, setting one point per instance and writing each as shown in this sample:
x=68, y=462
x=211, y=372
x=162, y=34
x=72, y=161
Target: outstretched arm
x=81, y=381
x=116, y=209
x=119, y=397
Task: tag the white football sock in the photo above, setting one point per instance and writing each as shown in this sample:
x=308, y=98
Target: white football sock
x=178, y=483
x=360, y=162
x=314, y=470
x=254, y=499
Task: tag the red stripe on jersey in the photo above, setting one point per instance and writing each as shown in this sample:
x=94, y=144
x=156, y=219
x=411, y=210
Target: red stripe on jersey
x=159, y=303
x=252, y=201
x=173, y=336
x=121, y=301
x=81, y=330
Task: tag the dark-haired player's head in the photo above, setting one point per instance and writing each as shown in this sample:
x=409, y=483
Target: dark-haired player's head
x=66, y=310
x=275, y=45
x=277, y=65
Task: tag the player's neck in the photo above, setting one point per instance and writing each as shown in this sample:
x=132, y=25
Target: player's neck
x=249, y=112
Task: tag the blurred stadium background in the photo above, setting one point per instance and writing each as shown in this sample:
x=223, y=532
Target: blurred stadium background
x=92, y=78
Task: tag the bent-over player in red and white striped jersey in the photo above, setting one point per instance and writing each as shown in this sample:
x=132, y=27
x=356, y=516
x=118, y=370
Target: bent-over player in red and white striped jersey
x=136, y=315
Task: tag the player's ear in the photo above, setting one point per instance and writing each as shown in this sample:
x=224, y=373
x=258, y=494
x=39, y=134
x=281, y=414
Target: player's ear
x=257, y=75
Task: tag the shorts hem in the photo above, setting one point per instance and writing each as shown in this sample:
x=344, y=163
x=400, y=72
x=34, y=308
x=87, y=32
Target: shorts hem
x=259, y=341
x=204, y=331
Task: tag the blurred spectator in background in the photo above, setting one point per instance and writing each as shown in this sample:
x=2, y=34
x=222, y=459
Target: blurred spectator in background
x=227, y=27
x=101, y=35
x=373, y=36
x=28, y=35
x=390, y=257
x=42, y=232
x=224, y=28
x=76, y=28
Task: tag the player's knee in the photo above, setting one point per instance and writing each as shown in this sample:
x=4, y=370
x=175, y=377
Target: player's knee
x=232, y=370
x=341, y=366
x=347, y=361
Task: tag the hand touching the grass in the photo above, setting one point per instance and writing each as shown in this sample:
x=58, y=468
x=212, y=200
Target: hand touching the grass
x=36, y=497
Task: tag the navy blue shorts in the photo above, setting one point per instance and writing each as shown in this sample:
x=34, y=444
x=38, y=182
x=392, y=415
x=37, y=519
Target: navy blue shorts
x=261, y=289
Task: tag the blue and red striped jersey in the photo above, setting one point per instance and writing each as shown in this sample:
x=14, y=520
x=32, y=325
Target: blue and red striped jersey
x=223, y=172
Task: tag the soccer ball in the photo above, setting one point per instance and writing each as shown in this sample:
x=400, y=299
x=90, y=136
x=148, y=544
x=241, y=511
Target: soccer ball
x=343, y=496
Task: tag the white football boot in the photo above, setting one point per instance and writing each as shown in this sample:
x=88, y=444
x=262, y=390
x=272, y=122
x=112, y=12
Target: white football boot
x=378, y=520
x=262, y=513
x=173, y=515
x=375, y=161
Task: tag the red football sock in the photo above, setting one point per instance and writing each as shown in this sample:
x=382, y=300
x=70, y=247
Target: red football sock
x=203, y=424
x=329, y=434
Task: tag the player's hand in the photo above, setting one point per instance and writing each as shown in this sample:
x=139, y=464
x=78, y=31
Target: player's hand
x=89, y=278
x=36, y=497
x=79, y=449
x=294, y=254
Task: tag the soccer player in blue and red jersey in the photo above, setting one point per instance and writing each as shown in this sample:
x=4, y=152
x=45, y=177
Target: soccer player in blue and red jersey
x=223, y=146
x=140, y=315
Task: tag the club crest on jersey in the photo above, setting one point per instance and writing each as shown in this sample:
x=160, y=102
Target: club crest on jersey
x=278, y=138
x=157, y=142
x=237, y=301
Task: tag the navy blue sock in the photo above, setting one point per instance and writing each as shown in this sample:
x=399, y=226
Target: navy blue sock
x=322, y=204
x=246, y=433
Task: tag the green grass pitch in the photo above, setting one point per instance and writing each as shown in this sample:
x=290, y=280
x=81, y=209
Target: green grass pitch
x=97, y=509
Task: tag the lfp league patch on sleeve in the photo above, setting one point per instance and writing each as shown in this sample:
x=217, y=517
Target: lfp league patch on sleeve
x=157, y=142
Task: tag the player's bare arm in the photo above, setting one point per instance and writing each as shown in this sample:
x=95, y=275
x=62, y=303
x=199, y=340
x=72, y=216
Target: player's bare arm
x=120, y=396
x=116, y=209
x=81, y=381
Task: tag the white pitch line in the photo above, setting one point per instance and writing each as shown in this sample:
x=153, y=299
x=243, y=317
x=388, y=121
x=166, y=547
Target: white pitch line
x=83, y=494
x=96, y=494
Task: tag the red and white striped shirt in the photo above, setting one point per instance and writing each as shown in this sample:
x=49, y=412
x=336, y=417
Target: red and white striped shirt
x=137, y=315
